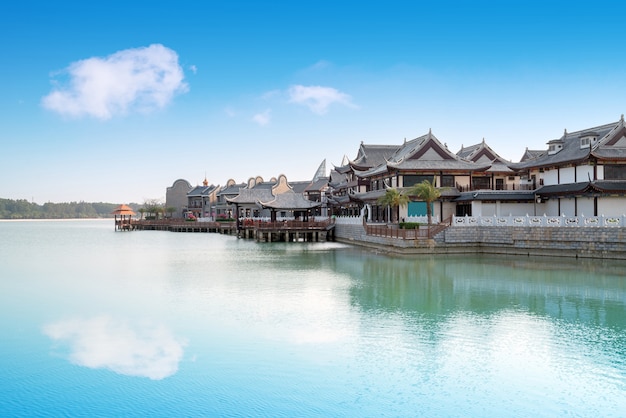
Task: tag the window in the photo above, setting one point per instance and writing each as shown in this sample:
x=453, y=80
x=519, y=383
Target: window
x=412, y=180
x=480, y=183
x=447, y=181
x=615, y=172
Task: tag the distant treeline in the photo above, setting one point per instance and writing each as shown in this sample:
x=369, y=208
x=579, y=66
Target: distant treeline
x=23, y=209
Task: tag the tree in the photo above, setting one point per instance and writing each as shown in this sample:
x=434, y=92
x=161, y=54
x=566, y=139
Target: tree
x=393, y=199
x=170, y=210
x=142, y=211
x=427, y=192
x=153, y=208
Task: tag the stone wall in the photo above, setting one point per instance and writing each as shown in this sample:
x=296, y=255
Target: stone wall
x=562, y=241
x=355, y=234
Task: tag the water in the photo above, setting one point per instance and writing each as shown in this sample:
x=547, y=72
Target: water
x=101, y=323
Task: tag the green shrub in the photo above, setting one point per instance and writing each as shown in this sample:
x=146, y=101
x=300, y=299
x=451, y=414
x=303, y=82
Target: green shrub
x=409, y=225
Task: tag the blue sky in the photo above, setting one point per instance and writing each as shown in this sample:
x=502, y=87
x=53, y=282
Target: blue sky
x=114, y=101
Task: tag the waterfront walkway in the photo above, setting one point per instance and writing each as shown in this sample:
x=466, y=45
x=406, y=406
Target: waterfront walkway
x=262, y=231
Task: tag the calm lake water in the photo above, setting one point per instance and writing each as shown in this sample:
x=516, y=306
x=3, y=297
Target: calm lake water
x=101, y=323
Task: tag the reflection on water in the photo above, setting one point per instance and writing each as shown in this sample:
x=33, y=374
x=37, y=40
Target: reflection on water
x=103, y=342
x=569, y=290
x=299, y=329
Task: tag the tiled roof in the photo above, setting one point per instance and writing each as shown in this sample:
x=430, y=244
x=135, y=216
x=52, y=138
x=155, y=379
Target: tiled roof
x=231, y=190
x=372, y=155
x=532, y=154
x=571, y=151
x=318, y=185
x=501, y=195
x=568, y=188
x=289, y=201
x=299, y=186
x=201, y=190
x=424, y=153
x=252, y=196
x=597, y=186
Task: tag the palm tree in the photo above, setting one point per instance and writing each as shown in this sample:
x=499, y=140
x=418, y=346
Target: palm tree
x=427, y=192
x=393, y=199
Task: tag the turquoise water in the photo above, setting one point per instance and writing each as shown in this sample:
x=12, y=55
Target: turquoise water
x=101, y=323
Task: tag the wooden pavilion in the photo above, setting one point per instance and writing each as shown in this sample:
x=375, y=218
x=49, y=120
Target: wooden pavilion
x=125, y=213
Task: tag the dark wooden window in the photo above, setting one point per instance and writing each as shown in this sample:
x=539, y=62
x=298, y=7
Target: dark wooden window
x=412, y=180
x=447, y=181
x=615, y=172
x=480, y=183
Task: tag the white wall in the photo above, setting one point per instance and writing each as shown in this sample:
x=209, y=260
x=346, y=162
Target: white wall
x=612, y=206
x=584, y=173
x=567, y=207
x=567, y=175
x=550, y=177
x=517, y=209
x=585, y=206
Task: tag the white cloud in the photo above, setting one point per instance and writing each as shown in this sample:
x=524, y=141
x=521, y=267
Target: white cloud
x=133, y=79
x=193, y=69
x=262, y=118
x=318, y=98
x=102, y=342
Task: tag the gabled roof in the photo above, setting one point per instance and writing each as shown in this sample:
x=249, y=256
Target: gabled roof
x=425, y=153
x=571, y=151
x=613, y=145
x=299, y=186
x=251, y=196
x=289, y=200
x=318, y=185
x=370, y=156
x=532, y=154
x=337, y=178
x=231, y=190
x=483, y=154
x=201, y=191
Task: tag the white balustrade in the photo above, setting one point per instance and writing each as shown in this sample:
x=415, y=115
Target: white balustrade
x=541, y=221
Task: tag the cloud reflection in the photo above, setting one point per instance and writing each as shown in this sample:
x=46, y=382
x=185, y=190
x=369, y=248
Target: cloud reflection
x=103, y=342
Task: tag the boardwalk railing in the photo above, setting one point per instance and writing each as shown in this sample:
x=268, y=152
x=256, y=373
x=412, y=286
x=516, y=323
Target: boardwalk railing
x=286, y=225
x=393, y=231
x=541, y=221
x=180, y=223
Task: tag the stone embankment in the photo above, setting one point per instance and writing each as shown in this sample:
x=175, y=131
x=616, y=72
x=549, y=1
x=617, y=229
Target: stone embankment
x=583, y=242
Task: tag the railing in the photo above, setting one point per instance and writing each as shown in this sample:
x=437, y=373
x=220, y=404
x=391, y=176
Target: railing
x=541, y=221
x=183, y=223
x=349, y=220
x=393, y=231
x=284, y=225
x=421, y=219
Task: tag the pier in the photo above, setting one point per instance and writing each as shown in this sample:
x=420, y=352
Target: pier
x=261, y=231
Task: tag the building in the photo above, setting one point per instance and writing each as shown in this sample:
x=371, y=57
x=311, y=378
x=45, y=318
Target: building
x=582, y=173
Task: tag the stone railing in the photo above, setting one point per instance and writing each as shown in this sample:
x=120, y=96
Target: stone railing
x=349, y=220
x=421, y=219
x=541, y=221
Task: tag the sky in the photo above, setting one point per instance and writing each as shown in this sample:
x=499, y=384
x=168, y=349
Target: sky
x=114, y=101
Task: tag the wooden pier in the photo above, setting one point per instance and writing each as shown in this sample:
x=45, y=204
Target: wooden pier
x=179, y=225
x=288, y=231
x=261, y=231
